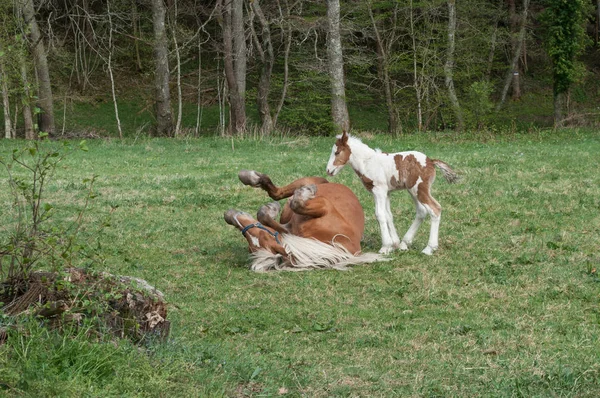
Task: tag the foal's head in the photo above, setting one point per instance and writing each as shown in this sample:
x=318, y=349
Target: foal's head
x=340, y=154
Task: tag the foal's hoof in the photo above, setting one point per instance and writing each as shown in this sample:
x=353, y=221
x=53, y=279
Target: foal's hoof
x=386, y=250
x=429, y=250
x=250, y=177
x=270, y=210
x=403, y=246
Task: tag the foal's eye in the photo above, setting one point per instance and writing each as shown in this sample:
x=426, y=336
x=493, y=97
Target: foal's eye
x=337, y=153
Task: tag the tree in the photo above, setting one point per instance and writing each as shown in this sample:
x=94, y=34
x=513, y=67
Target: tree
x=565, y=40
x=449, y=66
x=8, y=129
x=339, y=111
x=517, y=39
x=384, y=45
x=36, y=44
x=26, y=97
x=264, y=47
x=234, y=61
x=164, y=118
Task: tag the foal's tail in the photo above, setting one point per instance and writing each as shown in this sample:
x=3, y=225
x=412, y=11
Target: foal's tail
x=450, y=175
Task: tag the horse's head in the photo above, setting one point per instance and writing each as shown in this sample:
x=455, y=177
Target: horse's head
x=257, y=235
x=340, y=154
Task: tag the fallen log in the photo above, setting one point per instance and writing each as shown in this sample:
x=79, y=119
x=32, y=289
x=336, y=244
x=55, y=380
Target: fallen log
x=124, y=306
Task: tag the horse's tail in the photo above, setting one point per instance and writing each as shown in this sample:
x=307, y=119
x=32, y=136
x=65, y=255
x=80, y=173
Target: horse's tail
x=306, y=254
x=450, y=175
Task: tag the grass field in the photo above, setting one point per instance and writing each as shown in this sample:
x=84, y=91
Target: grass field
x=509, y=305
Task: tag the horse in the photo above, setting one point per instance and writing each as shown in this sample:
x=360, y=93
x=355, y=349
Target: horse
x=320, y=226
x=382, y=173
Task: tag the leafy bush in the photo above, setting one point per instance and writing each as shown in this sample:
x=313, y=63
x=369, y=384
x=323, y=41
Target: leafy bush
x=32, y=241
x=479, y=104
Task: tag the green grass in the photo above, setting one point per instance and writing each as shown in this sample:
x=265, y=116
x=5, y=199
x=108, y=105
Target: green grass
x=509, y=305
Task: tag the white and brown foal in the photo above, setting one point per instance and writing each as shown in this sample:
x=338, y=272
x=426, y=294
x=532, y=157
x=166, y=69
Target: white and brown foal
x=382, y=173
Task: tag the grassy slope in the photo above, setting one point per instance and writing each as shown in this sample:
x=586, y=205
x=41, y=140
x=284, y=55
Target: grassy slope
x=507, y=307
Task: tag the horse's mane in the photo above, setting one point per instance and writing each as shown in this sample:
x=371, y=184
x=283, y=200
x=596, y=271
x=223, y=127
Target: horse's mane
x=308, y=253
x=358, y=141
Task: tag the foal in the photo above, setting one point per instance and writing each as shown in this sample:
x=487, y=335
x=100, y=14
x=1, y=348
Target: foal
x=381, y=173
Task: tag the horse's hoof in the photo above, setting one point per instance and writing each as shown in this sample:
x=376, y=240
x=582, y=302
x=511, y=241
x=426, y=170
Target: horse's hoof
x=270, y=210
x=306, y=192
x=302, y=194
x=229, y=216
x=250, y=177
x=403, y=246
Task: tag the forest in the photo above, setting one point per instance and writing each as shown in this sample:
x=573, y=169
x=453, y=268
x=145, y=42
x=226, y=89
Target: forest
x=126, y=124
x=219, y=67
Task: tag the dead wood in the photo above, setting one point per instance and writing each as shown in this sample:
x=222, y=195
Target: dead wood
x=123, y=306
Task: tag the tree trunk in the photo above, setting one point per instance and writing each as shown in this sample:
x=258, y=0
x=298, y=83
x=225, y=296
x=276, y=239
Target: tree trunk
x=164, y=118
x=110, y=71
x=45, y=101
x=515, y=44
x=8, y=129
x=492, y=52
x=559, y=101
x=136, y=33
x=26, y=100
x=237, y=119
x=286, y=57
x=239, y=45
x=383, y=66
x=339, y=111
x=449, y=66
x=179, y=91
x=416, y=80
x=265, y=50
x=597, y=21
x=512, y=75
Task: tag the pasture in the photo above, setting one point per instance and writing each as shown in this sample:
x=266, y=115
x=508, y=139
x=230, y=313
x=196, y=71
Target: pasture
x=508, y=306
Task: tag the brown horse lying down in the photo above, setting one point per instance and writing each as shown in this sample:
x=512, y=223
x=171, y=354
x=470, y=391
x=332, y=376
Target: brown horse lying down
x=320, y=226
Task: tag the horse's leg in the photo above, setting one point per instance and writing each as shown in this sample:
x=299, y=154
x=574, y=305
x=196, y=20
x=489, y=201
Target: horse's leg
x=305, y=202
x=260, y=180
x=267, y=214
x=257, y=239
x=435, y=212
x=421, y=213
x=286, y=214
x=381, y=205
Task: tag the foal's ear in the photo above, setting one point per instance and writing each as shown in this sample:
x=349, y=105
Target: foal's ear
x=344, y=137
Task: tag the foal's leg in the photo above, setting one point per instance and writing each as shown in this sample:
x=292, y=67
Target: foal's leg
x=383, y=218
x=421, y=213
x=391, y=227
x=435, y=212
x=260, y=180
